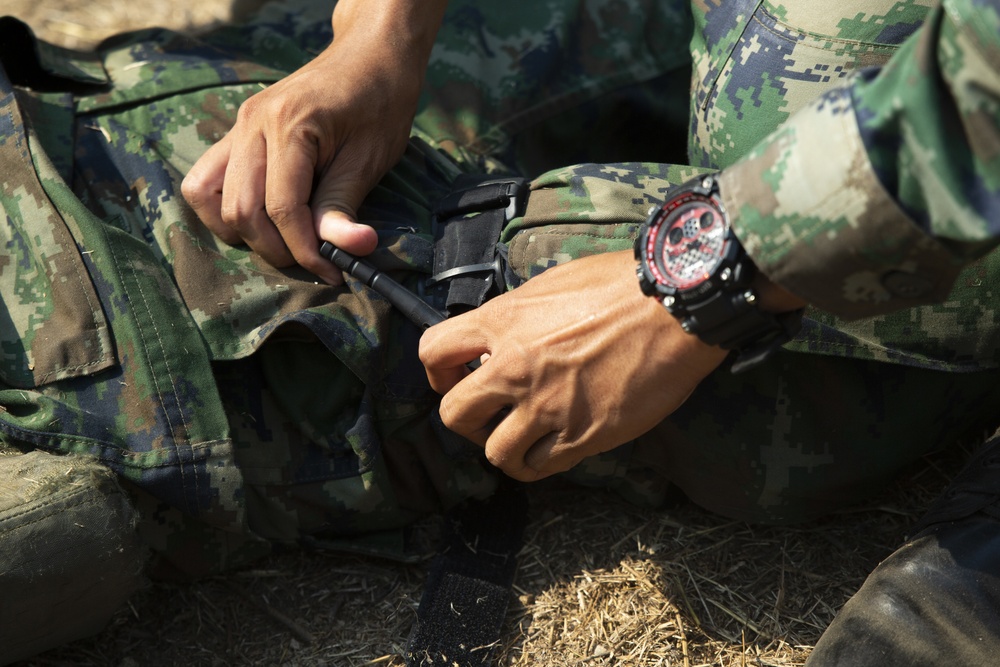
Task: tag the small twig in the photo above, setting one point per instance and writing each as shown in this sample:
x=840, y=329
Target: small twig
x=736, y=617
x=632, y=534
x=297, y=630
x=684, y=640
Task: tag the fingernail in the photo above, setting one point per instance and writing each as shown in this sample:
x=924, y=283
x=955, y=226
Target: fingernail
x=333, y=281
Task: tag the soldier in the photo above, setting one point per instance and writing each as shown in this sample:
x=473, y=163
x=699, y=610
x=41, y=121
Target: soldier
x=853, y=204
x=242, y=405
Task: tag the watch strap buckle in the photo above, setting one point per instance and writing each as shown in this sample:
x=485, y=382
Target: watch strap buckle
x=787, y=326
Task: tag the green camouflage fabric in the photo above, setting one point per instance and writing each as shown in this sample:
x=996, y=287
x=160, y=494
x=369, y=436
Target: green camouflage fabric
x=561, y=82
x=247, y=407
x=244, y=406
x=881, y=182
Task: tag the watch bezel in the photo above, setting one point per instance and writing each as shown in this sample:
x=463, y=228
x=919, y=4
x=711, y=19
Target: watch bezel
x=729, y=273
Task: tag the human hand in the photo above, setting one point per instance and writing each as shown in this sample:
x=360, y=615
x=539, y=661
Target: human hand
x=578, y=361
x=305, y=152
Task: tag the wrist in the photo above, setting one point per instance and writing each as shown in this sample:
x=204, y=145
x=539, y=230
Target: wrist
x=692, y=262
x=406, y=27
x=773, y=298
x=393, y=38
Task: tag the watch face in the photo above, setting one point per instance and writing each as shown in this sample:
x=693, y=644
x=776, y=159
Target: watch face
x=688, y=242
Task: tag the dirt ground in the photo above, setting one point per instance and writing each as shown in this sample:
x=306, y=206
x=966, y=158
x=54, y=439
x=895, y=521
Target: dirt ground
x=600, y=581
x=81, y=24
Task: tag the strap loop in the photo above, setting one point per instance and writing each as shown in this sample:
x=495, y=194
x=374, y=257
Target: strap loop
x=468, y=255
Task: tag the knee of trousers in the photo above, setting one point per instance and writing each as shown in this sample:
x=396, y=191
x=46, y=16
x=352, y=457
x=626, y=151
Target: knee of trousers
x=69, y=553
x=934, y=601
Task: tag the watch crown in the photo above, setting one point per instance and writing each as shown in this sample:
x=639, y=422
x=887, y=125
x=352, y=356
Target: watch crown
x=686, y=326
x=726, y=274
x=750, y=297
x=652, y=209
x=668, y=301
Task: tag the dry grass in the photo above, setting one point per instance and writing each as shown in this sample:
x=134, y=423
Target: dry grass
x=600, y=583
x=81, y=24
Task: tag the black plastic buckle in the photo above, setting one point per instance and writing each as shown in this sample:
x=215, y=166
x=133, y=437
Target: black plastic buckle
x=506, y=194
x=517, y=199
x=509, y=194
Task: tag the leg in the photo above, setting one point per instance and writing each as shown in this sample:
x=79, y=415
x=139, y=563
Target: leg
x=804, y=435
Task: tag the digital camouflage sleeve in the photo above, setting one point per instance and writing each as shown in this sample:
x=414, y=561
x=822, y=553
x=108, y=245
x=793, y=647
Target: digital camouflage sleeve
x=873, y=196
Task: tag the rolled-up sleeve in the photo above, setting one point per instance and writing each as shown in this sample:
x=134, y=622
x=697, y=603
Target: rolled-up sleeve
x=873, y=197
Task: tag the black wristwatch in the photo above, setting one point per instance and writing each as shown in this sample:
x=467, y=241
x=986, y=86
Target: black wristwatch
x=690, y=260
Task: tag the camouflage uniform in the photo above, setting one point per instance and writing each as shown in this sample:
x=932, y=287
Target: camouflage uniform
x=245, y=406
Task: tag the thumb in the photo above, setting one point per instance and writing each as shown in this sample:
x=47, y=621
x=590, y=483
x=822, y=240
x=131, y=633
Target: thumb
x=335, y=203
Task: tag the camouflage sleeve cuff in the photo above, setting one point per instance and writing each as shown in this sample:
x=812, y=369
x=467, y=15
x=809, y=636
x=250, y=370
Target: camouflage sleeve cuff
x=813, y=215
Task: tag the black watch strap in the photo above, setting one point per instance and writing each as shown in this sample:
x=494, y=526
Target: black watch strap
x=733, y=322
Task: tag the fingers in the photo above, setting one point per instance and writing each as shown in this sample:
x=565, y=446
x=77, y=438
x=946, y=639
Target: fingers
x=482, y=409
x=337, y=197
x=288, y=188
x=447, y=348
x=342, y=231
x=243, y=207
x=581, y=362
x=511, y=444
x=203, y=186
x=269, y=204
x=475, y=420
x=265, y=202
x=518, y=438
x=304, y=152
x=475, y=408
x=228, y=190
x=491, y=406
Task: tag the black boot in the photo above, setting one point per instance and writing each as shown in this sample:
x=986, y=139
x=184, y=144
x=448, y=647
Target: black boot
x=936, y=599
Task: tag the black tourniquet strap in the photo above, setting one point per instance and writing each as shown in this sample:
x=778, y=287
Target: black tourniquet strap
x=468, y=587
x=467, y=254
